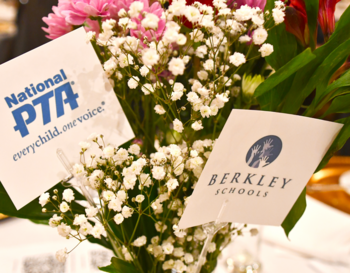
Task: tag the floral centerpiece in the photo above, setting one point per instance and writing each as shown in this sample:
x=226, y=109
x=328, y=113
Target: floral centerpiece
x=178, y=69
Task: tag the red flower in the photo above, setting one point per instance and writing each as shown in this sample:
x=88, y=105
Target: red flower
x=205, y=2
x=190, y=2
x=296, y=20
x=326, y=16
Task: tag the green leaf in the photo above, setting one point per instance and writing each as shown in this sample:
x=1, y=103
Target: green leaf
x=343, y=24
x=325, y=71
x=298, y=91
x=340, y=92
x=312, y=13
x=270, y=4
x=338, y=87
x=119, y=266
x=271, y=100
x=285, y=72
x=103, y=242
x=300, y=205
x=110, y=268
x=40, y=222
x=285, y=46
x=338, y=143
x=33, y=210
x=340, y=104
x=344, y=80
x=295, y=213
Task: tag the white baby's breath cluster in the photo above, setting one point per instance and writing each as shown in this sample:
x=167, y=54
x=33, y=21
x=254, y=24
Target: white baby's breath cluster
x=150, y=53
x=186, y=75
x=129, y=184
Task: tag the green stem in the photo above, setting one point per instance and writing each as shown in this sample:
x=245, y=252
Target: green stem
x=138, y=122
x=113, y=240
x=137, y=223
x=215, y=124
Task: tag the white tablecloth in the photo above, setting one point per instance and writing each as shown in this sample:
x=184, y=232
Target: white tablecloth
x=26, y=247
x=29, y=248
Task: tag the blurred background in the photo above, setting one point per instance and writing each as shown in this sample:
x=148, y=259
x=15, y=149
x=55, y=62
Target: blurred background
x=20, y=26
x=320, y=243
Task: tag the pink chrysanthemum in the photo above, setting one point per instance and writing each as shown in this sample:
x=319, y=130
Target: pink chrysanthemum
x=93, y=25
x=251, y=3
x=117, y=5
x=57, y=25
x=140, y=32
x=78, y=11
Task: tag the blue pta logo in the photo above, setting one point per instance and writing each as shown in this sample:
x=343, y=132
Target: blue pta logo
x=264, y=151
x=28, y=110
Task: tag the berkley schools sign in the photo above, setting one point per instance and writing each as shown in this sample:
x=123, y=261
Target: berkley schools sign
x=258, y=168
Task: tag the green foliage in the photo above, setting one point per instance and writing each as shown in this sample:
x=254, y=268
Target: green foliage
x=285, y=72
x=338, y=143
x=271, y=99
x=312, y=13
x=295, y=213
x=110, y=268
x=296, y=77
x=336, y=89
x=271, y=92
x=270, y=4
x=103, y=242
x=285, y=46
x=324, y=73
x=340, y=104
x=119, y=266
x=33, y=210
x=298, y=73
x=302, y=86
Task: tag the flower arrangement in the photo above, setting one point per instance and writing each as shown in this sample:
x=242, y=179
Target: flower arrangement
x=178, y=69
x=134, y=193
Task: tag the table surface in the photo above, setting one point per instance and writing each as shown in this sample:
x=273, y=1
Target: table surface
x=24, y=246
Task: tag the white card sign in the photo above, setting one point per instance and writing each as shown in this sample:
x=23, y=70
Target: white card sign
x=260, y=164
x=53, y=97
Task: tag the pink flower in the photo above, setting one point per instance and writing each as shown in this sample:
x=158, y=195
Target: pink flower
x=77, y=11
x=140, y=32
x=70, y=13
x=251, y=3
x=117, y=5
x=93, y=25
x=57, y=25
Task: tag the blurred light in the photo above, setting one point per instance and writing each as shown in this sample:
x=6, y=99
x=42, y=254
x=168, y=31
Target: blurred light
x=230, y=261
x=24, y=2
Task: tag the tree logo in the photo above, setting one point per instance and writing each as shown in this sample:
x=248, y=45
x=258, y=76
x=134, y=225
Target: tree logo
x=264, y=151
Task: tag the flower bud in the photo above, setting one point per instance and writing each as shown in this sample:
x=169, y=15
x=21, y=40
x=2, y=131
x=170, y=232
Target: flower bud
x=249, y=85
